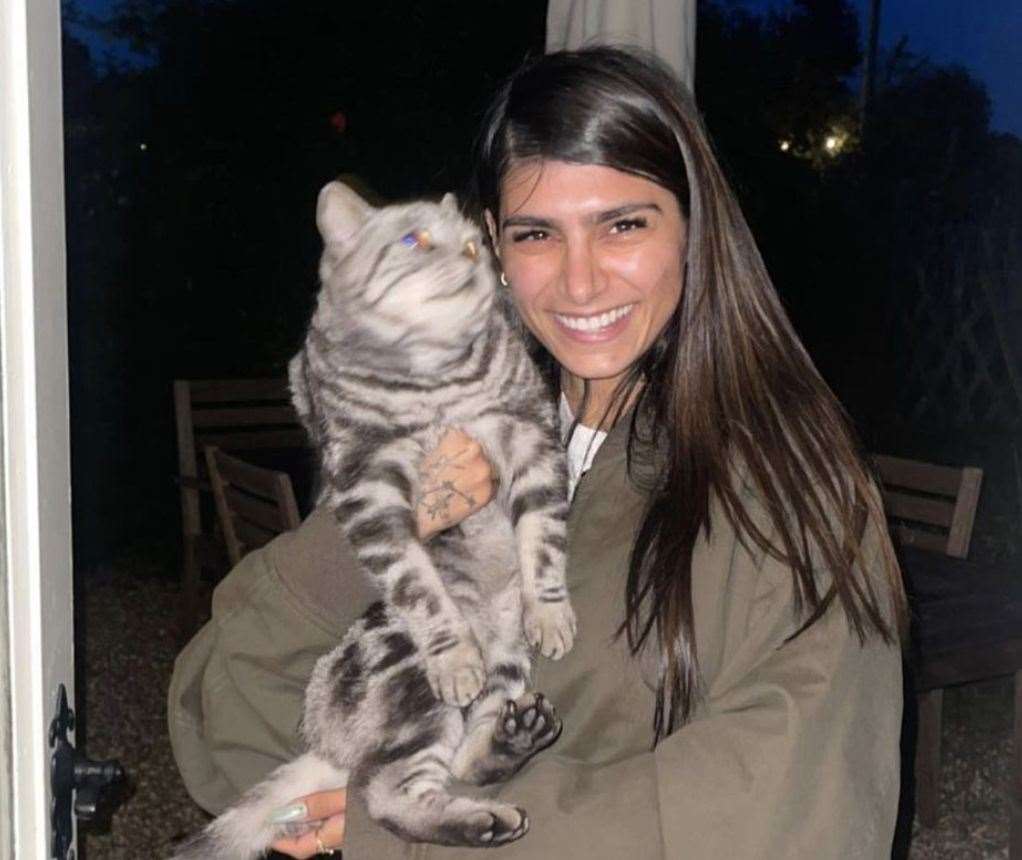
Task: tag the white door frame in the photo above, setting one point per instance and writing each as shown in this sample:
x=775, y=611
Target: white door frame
x=36, y=455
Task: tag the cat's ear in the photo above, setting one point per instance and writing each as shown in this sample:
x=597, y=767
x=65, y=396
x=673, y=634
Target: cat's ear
x=450, y=202
x=340, y=213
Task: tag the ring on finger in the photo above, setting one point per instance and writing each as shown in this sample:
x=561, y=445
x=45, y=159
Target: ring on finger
x=321, y=848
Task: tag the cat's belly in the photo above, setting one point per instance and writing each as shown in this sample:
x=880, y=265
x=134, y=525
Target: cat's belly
x=482, y=549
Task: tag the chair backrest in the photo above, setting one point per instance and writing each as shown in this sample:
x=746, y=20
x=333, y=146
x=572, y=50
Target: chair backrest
x=253, y=504
x=931, y=507
x=233, y=415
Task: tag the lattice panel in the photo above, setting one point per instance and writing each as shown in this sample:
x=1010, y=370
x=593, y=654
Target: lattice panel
x=958, y=337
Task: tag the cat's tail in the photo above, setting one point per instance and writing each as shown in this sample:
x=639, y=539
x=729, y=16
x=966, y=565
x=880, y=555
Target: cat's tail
x=243, y=832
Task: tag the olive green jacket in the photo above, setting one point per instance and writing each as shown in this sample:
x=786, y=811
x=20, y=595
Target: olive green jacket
x=792, y=750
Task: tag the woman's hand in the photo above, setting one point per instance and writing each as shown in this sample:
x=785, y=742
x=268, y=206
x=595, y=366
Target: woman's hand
x=325, y=807
x=455, y=480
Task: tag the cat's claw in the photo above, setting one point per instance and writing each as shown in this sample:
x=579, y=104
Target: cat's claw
x=550, y=627
x=457, y=675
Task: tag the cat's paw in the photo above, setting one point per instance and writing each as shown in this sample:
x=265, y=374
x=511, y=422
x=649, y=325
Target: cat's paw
x=458, y=674
x=550, y=627
x=527, y=725
x=481, y=823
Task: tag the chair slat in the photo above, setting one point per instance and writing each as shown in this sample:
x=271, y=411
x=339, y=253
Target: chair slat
x=261, y=512
x=965, y=512
x=251, y=440
x=253, y=479
x=233, y=390
x=919, y=509
x=923, y=540
x=286, y=502
x=251, y=535
x=243, y=416
x=913, y=474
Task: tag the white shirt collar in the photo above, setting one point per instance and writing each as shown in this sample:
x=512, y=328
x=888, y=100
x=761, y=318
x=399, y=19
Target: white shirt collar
x=582, y=446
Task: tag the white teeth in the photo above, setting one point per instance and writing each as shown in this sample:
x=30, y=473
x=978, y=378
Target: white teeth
x=594, y=323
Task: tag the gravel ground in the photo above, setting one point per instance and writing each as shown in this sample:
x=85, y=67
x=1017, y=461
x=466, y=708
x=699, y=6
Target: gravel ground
x=975, y=775
x=129, y=648
x=127, y=638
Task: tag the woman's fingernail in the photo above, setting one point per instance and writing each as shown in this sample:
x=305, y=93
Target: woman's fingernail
x=287, y=814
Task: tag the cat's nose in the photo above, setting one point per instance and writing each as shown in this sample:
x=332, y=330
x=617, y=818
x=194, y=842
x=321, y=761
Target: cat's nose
x=471, y=250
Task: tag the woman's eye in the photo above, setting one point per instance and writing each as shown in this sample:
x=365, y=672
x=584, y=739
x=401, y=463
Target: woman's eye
x=529, y=236
x=627, y=225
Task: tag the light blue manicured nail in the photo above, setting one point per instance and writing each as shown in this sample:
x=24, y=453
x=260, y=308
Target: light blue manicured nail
x=287, y=814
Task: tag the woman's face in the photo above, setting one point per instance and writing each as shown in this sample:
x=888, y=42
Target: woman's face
x=595, y=260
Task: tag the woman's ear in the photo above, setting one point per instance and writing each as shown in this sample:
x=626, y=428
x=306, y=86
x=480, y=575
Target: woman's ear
x=491, y=228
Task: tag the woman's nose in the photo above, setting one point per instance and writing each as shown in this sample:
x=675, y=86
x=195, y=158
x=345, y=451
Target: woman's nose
x=581, y=273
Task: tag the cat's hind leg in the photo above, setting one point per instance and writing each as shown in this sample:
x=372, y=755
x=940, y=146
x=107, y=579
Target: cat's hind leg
x=511, y=736
x=503, y=726
x=406, y=790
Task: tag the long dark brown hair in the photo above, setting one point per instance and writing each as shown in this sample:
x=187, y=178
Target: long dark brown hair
x=727, y=387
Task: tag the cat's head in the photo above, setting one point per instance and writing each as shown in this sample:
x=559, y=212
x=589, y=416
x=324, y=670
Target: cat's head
x=403, y=275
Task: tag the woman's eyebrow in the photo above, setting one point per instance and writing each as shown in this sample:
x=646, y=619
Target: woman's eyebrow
x=537, y=222
x=526, y=221
x=598, y=218
x=621, y=211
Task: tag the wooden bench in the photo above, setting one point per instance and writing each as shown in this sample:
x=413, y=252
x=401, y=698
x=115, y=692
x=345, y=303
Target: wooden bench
x=234, y=415
x=966, y=615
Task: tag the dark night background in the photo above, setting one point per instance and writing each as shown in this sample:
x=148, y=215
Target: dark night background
x=199, y=131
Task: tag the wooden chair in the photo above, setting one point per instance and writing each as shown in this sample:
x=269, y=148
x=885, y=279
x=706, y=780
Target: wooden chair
x=931, y=507
x=967, y=615
x=235, y=415
x=253, y=504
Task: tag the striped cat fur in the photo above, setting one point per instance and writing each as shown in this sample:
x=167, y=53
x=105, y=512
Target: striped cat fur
x=412, y=336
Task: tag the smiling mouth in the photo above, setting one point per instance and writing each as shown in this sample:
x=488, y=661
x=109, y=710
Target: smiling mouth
x=594, y=322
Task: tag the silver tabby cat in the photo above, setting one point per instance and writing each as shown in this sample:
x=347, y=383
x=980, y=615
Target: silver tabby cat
x=411, y=336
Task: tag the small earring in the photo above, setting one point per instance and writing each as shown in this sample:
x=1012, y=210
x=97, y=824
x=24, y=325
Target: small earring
x=503, y=279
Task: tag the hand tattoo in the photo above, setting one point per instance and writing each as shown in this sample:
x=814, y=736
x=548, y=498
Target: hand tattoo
x=435, y=495
x=437, y=500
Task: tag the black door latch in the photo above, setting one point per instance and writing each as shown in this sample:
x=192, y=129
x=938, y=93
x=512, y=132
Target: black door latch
x=90, y=783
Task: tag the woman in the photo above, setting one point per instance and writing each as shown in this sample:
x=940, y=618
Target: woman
x=736, y=688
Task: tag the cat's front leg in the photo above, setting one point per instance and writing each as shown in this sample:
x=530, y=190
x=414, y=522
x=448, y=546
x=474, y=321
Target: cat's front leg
x=537, y=497
x=375, y=508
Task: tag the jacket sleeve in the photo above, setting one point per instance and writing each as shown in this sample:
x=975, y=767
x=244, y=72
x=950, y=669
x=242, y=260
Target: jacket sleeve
x=796, y=757
x=237, y=689
x=792, y=753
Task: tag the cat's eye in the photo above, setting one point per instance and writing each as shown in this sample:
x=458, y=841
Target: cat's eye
x=471, y=250
x=418, y=239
